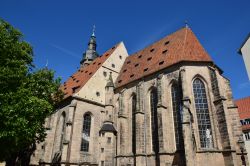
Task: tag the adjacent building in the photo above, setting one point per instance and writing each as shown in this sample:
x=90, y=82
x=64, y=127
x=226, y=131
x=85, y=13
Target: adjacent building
x=244, y=112
x=167, y=104
x=245, y=52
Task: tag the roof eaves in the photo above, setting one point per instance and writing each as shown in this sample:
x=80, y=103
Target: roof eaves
x=153, y=72
x=243, y=43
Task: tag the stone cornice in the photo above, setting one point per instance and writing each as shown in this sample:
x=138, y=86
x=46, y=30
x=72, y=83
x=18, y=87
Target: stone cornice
x=88, y=101
x=121, y=115
x=109, y=105
x=219, y=99
x=161, y=106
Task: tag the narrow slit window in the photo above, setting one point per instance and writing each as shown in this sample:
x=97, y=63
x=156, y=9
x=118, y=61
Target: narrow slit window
x=177, y=112
x=133, y=124
x=154, y=120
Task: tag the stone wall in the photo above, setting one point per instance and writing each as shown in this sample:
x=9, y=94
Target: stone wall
x=223, y=117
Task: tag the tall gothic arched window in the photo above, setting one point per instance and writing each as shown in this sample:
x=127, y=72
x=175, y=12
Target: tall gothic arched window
x=62, y=125
x=86, y=132
x=133, y=124
x=202, y=113
x=154, y=120
x=176, y=104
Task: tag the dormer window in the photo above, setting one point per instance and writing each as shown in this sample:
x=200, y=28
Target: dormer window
x=166, y=43
x=161, y=62
x=164, y=52
x=149, y=58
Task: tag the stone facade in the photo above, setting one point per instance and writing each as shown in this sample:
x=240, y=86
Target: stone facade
x=124, y=131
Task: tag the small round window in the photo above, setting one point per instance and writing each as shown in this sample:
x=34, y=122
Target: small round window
x=105, y=73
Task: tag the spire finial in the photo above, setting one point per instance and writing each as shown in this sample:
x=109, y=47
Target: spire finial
x=47, y=63
x=93, y=31
x=186, y=24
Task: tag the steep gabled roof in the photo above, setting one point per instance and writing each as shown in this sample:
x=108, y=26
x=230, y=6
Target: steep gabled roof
x=243, y=107
x=243, y=43
x=177, y=47
x=81, y=77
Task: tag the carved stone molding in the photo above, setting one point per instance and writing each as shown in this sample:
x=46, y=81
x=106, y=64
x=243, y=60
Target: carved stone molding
x=68, y=123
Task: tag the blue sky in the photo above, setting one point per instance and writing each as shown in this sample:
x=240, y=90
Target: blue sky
x=59, y=30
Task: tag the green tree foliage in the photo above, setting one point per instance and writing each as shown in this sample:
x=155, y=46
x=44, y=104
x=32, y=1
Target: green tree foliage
x=27, y=95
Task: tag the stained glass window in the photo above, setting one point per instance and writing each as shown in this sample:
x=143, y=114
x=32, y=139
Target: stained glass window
x=86, y=133
x=176, y=104
x=133, y=124
x=154, y=120
x=62, y=123
x=202, y=113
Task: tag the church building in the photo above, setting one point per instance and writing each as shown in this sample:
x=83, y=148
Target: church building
x=165, y=105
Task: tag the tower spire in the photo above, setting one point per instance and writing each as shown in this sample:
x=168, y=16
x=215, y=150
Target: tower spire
x=90, y=54
x=93, y=31
x=186, y=24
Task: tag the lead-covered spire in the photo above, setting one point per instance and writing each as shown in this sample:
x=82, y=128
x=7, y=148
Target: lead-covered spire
x=90, y=53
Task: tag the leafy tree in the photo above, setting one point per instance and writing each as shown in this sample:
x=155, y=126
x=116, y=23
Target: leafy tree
x=27, y=96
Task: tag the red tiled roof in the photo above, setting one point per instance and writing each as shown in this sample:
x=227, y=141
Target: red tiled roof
x=80, y=78
x=243, y=107
x=245, y=127
x=177, y=47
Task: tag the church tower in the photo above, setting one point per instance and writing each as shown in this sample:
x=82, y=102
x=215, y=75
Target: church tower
x=90, y=53
x=108, y=131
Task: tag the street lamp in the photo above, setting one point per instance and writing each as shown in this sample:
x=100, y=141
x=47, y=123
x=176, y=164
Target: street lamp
x=241, y=145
